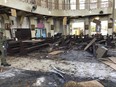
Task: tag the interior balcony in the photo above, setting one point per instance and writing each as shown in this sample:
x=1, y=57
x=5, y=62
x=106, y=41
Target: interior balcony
x=60, y=9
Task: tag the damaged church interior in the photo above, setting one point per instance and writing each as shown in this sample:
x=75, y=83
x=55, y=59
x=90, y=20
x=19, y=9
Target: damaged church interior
x=57, y=43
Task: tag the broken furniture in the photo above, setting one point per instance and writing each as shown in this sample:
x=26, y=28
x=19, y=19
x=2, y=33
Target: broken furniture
x=89, y=44
x=56, y=52
x=101, y=52
x=98, y=50
x=111, y=62
x=23, y=34
x=110, y=41
x=13, y=47
x=24, y=43
x=27, y=44
x=20, y=34
x=102, y=42
x=31, y=45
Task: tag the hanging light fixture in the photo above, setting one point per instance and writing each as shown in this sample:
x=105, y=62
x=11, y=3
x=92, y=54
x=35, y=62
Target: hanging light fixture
x=34, y=7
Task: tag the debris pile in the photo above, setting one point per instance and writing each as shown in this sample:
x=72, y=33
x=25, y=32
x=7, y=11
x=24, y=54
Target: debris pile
x=67, y=62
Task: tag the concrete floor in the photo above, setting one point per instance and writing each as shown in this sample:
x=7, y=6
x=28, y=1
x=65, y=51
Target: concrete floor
x=73, y=64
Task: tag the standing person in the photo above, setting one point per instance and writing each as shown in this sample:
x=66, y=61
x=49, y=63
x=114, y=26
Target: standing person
x=3, y=49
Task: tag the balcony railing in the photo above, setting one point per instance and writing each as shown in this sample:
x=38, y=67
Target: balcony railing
x=71, y=6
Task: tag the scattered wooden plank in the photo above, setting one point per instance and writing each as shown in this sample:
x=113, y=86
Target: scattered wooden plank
x=93, y=83
x=56, y=52
x=89, y=44
x=101, y=41
x=113, y=59
x=33, y=41
x=110, y=63
x=103, y=59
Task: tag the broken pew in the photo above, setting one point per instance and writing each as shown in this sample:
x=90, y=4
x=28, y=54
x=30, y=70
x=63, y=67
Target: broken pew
x=13, y=47
x=101, y=52
x=56, y=52
x=89, y=44
x=109, y=63
x=31, y=45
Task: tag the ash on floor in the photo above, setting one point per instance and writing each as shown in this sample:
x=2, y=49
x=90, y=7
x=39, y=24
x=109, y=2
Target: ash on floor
x=78, y=64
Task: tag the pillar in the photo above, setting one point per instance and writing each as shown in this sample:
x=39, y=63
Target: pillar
x=87, y=26
x=65, y=26
x=110, y=25
x=52, y=26
x=113, y=13
x=61, y=27
x=57, y=26
x=68, y=29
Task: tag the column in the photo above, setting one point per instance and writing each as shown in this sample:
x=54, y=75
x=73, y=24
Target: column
x=87, y=26
x=48, y=28
x=68, y=29
x=110, y=25
x=113, y=13
x=51, y=23
x=64, y=25
x=61, y=27
x=57, y=26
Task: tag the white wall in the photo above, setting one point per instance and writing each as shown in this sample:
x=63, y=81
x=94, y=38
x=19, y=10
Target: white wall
x=57, y=26
x=47, y=26
x=25, y=23
x=33, y=21
x=14, y=20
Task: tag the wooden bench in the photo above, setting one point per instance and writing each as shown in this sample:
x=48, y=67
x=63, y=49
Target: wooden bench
x=31, y=45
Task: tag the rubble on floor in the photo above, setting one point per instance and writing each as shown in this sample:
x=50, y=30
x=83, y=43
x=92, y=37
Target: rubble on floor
x=77, y=65
x=58, y=64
